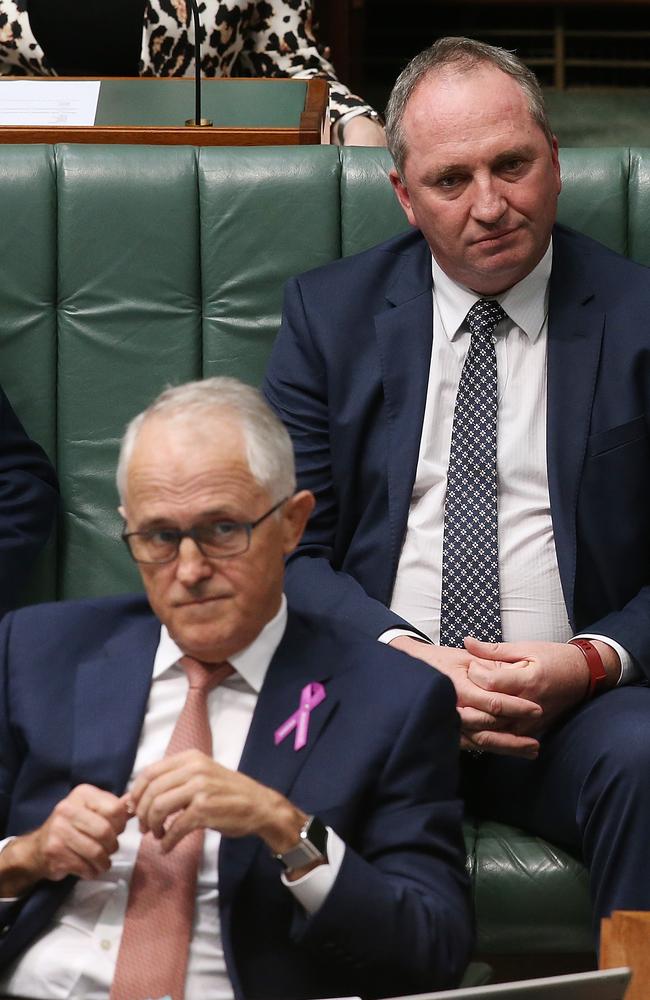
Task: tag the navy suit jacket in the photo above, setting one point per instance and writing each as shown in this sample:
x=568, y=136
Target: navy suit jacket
x=380, y=767
x=28, y=503
x=348, y=376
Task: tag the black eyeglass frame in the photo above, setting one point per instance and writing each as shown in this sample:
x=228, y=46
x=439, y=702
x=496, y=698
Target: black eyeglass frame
x=193, y=532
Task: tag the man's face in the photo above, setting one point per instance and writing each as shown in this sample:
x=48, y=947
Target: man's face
x=480, y=179
x=180, y=476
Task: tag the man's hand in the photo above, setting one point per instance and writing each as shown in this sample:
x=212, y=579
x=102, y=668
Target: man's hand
x=190, y=790
x=552, y=674
x=493, y=720
x=78, y=838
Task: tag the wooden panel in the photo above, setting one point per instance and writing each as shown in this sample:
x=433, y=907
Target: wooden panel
x=307, y=130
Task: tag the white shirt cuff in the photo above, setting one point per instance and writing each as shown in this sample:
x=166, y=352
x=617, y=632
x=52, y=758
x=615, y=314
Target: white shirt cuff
x=395, y=633
x=3, y=844
x=311, y=890
x=629, y=669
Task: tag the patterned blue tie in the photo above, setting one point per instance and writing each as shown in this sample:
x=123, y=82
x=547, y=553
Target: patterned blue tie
x=470, y=553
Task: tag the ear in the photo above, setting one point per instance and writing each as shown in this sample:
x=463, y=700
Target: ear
x=402, y=195
x=555, y=159
x=295, y=515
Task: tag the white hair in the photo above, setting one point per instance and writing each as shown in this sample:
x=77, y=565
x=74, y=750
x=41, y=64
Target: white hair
x=268, y=446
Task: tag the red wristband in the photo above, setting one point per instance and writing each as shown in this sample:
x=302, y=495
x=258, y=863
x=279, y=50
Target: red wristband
x=597, y=672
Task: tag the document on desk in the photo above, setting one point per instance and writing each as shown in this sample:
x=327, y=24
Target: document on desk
x=48, y=102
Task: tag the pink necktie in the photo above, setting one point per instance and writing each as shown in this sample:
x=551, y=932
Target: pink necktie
x=154, y=950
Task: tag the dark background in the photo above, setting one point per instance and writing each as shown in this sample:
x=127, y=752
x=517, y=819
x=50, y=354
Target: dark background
x=593, y=56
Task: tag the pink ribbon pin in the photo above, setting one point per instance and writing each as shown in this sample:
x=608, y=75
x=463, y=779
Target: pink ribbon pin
x=310, y=696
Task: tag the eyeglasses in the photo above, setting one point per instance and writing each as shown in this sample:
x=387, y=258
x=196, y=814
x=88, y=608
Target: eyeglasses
x=215, y=539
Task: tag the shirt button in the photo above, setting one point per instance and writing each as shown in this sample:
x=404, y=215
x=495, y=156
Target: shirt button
x=106, y=944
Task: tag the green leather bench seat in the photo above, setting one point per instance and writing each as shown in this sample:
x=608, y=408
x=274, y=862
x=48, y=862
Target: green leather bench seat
x=128, y=268
x=530, y=897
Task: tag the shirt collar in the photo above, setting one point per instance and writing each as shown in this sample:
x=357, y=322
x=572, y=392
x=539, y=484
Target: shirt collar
x=526, y=303
x=251, y=663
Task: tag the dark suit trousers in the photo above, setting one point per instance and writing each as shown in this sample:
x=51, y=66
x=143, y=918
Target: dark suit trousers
x=588, y=790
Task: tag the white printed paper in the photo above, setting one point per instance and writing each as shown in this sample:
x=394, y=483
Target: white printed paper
x=48, y=102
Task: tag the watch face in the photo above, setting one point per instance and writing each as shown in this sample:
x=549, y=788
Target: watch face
x=312, y=846
x=316, y=833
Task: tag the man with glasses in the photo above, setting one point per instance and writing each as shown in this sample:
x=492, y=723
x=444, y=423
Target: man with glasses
x=203, y=793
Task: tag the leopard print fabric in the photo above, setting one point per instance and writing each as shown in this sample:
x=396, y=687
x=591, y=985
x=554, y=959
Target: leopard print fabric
x=255, y=38
x=20, y=53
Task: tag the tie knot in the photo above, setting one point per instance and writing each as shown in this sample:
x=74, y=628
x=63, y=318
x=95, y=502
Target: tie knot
x=484, y=316
x=205, y=676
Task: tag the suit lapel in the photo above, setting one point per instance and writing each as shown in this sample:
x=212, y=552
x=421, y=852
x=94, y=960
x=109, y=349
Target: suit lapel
x=110, y=697
x=300, y=659
x=404, y=337
x=575, y=331
x=113, y=685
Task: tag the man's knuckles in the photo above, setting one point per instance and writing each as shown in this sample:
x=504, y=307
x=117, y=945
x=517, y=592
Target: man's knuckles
x=202, y=802
x=190, y=758
x=494, y=705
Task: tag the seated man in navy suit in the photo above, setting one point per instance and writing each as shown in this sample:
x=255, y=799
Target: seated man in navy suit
x=29, y=496
x=291, y=832
x=470, y=405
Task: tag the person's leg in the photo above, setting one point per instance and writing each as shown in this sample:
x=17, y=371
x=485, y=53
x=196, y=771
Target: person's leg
x=589, y=791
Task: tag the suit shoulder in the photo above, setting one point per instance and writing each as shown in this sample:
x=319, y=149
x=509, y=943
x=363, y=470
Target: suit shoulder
x=570, y=241
x=374, y=259
x=59, y=616
x=376, y=666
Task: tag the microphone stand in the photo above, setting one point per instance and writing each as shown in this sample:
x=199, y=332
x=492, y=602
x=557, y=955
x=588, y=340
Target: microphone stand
x=197, y=120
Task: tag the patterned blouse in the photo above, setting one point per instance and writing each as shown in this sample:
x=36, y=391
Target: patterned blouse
x=254, y=38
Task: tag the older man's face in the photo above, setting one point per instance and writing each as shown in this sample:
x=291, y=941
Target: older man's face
x=180, y=476
x=481, y=180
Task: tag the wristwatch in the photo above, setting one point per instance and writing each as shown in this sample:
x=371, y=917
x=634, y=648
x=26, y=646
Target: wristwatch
x=311, y=846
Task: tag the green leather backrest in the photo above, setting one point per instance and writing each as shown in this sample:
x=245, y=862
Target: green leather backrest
x=28, y=300
x=125, y=269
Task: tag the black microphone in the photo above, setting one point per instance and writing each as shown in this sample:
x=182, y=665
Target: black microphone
x=197, y=120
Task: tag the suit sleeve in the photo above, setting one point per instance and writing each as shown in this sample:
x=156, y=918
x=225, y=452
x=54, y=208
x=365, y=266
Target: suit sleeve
x=296, y=387
x=9, y=757
x=28, y=503
x=630, y=627
x=398, y=916
x=9, y=764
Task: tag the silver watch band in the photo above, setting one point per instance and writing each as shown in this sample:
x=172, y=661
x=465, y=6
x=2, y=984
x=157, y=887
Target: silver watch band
x=311, y=846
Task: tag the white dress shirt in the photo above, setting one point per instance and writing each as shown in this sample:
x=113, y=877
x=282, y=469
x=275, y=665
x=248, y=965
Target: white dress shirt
x=76, y=956
x=532, y=604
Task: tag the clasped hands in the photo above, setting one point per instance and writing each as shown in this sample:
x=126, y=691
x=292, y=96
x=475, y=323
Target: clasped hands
x=508, y=693
x=170, y=798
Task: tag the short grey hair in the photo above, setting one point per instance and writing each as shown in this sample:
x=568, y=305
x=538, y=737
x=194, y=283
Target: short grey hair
x=462, y=54
x=268, y=446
